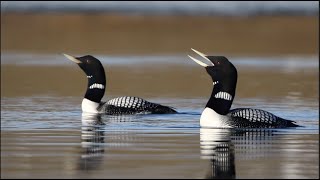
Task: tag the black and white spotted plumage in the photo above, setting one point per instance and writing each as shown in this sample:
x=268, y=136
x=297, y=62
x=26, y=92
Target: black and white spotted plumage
x=256, y=118
x=134, y=105
x=217, y=112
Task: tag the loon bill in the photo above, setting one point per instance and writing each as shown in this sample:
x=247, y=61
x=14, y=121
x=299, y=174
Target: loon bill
x=117, y=106
x=217, y=112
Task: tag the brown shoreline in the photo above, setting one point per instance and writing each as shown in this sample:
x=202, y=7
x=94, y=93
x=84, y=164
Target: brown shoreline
x=147, y=81
x=116, y=34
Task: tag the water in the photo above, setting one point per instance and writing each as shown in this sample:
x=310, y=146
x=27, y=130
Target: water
x=45, y=135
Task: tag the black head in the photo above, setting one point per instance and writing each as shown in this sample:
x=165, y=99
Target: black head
x=223, y=73
x=95, y=74
x=224, y=78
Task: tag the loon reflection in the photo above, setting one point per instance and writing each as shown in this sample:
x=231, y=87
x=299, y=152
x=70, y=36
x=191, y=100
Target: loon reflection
x=220, y=145
x=93, y=143
x=92, y=140
x=217, y=146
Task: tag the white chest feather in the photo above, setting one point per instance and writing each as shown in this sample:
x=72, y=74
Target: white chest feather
x=209, y=118
x=89, y=106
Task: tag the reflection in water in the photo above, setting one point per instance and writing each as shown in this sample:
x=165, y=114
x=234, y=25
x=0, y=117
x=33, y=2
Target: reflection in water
x=92, y=139
x=219, y=145
x=216, y=145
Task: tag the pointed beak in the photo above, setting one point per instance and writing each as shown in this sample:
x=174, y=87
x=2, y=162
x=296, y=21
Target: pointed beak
x=201, y=54
x=72, y=58
x=198, y=61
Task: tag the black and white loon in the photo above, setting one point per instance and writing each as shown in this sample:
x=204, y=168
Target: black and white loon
x=117, y=106
x=217, y=112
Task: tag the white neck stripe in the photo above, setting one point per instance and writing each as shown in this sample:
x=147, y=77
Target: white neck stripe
x=223, y=95
x=95, y=85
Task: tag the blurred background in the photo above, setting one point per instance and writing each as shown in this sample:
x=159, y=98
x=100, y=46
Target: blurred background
x=281, y=36
x=138, y=27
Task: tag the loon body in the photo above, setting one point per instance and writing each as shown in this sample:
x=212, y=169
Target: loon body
x=118, y=106
x=217, y=112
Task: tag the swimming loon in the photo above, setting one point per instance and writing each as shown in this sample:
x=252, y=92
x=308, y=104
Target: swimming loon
x=217, y=112
x=117, y=106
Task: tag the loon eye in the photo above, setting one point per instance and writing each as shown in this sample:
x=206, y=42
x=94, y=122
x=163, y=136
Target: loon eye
x=87, y=60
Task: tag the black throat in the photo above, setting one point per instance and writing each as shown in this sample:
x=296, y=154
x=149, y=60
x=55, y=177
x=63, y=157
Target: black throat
x=221, y=99
x=96, y=88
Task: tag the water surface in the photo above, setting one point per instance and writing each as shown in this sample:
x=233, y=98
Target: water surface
x=45, y=135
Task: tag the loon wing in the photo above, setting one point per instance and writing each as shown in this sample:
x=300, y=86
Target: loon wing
x=256, y=118
x=134, y=105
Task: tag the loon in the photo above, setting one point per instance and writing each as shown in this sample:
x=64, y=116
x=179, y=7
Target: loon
x=92, y=103
x=217, y=113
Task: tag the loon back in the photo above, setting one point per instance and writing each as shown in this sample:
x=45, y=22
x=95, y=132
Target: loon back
x=134, y=105
x=217, y=112
x=96, y=86
x=256, y=118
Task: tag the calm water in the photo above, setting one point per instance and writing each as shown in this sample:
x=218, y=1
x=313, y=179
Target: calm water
x=45, y=135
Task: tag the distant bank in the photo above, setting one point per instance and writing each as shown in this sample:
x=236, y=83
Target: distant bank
x=79, y=33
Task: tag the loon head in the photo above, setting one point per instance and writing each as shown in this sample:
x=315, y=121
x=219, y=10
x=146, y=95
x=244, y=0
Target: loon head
x=95, y=74
x=224, y=77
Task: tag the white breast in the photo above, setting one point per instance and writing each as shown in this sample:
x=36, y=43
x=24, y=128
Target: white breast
x=209, y=118
x=89, y=106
